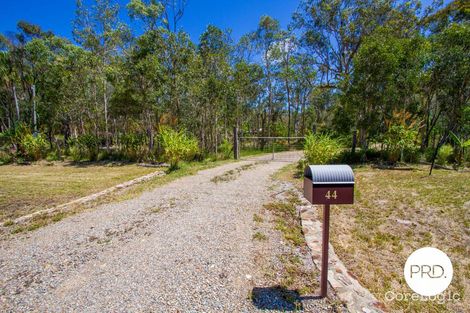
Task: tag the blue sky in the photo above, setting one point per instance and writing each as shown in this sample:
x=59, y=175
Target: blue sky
x=241, y=16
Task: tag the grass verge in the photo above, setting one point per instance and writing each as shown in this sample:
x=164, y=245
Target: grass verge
x=294, y=274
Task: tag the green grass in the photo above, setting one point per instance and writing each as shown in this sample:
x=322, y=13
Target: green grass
x=374, y=246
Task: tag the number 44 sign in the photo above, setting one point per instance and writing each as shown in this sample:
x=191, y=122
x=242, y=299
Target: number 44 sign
x=330, y=195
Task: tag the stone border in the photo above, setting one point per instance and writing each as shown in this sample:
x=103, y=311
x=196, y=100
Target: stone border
x=83, y=200
x=356, y=298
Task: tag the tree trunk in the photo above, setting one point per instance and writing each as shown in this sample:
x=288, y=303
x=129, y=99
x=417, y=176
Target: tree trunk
x=354, y=141
x=105, y=98
x=270, y=93
x=288, y=111
x=16, y=104
x=33, y=88
x=439, y=145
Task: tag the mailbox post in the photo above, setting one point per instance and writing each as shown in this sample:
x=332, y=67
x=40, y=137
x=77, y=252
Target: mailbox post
x=328, y=184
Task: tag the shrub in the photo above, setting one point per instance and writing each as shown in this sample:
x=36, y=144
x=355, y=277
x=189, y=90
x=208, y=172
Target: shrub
x=399, y=139
x=133, y=146
x=34, y=147
x=53, y=156
x=75, y=153
x=226, y=148
x=444, y=154
x=102, y=155
x=321, y=148
x=412, y=155
x=85, y=147
x=466, y=155
x=5, y=157
x=177, y=146
x=90, y=145
x=14, y=135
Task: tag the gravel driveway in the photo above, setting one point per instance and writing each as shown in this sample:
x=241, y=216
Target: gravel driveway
x=183, y=247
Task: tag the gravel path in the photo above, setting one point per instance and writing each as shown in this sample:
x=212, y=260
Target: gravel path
x=183, y=247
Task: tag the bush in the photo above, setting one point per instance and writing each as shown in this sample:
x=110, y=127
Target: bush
x=226, y=148
x=53, y=156
x=428, y=154
x=133, y=147
x=349, y=158
x=5, y=157
x=412, y=155
x=444, y=154
x=177, y=146
x=102, y=155
x=34, y=147
x=75, y=153
x=14, y=135
x=85, y=147
x=321, y=148
x=399, y=139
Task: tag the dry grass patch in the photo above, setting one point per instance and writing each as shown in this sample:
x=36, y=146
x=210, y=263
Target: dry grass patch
x=232, y=174
x=257, y=218
x=395, y=213
x=31, y=188
x=287, y=219
x=118, y=196
x=259, y=236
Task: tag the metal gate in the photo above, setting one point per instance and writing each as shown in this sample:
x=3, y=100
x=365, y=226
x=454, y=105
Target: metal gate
x=281, y=149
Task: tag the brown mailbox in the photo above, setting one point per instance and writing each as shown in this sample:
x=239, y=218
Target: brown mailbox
x=329, y=184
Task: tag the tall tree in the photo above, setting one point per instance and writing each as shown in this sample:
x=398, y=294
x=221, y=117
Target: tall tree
x=98, y=29
x=267, y=36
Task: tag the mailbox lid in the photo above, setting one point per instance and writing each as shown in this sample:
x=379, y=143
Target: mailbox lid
x=330, y=174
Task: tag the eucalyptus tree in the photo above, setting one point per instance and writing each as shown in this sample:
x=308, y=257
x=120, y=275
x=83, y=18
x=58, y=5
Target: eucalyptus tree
x=333, y=30
x=143, y=71
x=173, y=13
x=266, y=37
x=451, y=69
x=98, y=29
x=247, y=84
x=149, y=12
x=303, y=77
x=287, y=46
x=386, y=80
x=9, y=113
x=214, y=49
